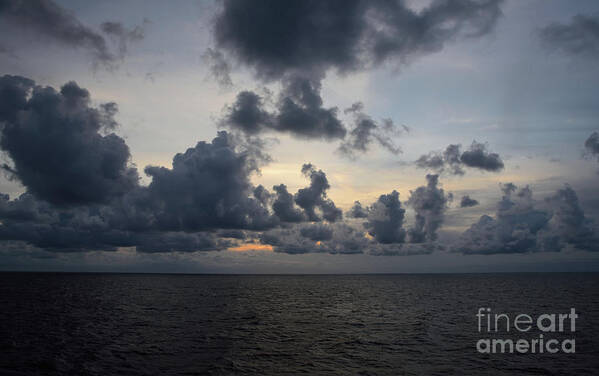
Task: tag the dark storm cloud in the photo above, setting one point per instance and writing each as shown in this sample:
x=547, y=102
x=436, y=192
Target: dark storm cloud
x=219, y=67
x=45, y=226
x=430, y=203
x=284, y=205
x=82, y=195
x=591, y=145
x=56, y=145
x=308, y=204
x=579, y=37
x=523, y=225
x=453, y=161
x=248, y=114
x=299, y=111
x=366, y=131
x=479, y=157
x=207, y=187
x=315, y=196
x=184, y=208
x=467, y=202
x=50, y=20
x=276, y=38
x=298, y=42
x=385, y=219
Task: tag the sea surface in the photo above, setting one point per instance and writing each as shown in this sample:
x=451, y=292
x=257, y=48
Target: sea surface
x=157, y=324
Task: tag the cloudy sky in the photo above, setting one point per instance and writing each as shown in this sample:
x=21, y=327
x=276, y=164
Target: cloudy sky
x=299, y=136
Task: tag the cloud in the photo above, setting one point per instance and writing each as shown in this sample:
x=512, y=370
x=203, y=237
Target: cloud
x=366, y=131
x=56, y=143
x=283, y=205
x=570, y=222
x=478, y=157
x=315, y=196
x=591, y=145
x=207, y=187
x=385, y=219
x=220, y=69
x=185, y=208
x=298, y=42
x=278, y=38
x=580, y=37
x=430, y=203
x=358, y=211
x=336, y=238
x=83, y=195
x=453, y=161
x=317, y=232
x=523, y=225
x=50, y=20
x=124, y=36
x=299, y=111
x=467, y=202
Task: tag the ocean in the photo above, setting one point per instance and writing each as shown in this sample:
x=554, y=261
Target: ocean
x=407, y=324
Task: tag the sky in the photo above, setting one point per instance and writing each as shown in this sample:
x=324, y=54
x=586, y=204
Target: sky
x=299, y=136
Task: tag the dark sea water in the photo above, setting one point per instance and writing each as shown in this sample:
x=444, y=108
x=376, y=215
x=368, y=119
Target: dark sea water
x=136, y=324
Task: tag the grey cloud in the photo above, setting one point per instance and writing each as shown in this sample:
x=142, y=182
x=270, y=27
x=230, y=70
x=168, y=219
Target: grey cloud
x=317, y=232
x=49, y=20
x=124, y=36
x=467, y=202
x=478, y=157
x=220, y=69
x=315, y=196
x=82, y=195
x=179, y=242
x=206, y=196
x=366, y=131
x=523, y=225
x=579, y=37
x=404, y=249
x=385, y=219
x=337, y=238
x=308, y=204
x=56, y=145
x=591, y=145
x=277, y=38
x=430, y=203
x=207, y=187
x=453, y=161
x=570, y=222
x=299, y=111
x=448, y=161
x=358, y=211
x=283, y=205
x=248, y=114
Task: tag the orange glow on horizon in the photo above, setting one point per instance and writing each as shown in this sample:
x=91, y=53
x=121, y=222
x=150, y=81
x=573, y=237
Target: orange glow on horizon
x=251, y=247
